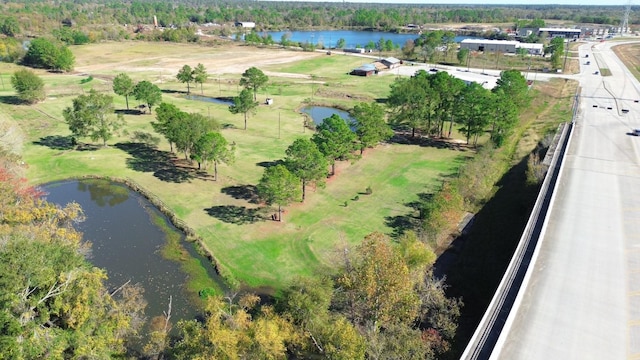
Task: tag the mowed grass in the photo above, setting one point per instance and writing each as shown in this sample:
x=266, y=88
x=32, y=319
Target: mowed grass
x=238, y=231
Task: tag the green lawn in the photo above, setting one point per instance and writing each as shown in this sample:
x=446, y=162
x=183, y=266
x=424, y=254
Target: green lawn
x=240, y=233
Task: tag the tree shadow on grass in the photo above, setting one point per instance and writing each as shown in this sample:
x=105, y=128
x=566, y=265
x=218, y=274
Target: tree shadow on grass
x=268, y=164
x=11, y=100
x=411, y=220
x=130, y=112
x=243, y=192
x=56, y=142
x=403, y=136
x=146, y=158
x=238, y=215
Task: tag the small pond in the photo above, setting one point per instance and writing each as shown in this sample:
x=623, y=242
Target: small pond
x=319, y=113
x=127, y=243
x=222, y=101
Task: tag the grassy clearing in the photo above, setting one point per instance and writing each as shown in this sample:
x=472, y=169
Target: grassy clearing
x=630, y=56
x=240, y=234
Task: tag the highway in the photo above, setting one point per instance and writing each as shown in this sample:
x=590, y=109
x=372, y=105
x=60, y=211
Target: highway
x=582, y=299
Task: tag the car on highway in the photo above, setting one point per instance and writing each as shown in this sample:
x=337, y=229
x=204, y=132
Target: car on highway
x=635, y=132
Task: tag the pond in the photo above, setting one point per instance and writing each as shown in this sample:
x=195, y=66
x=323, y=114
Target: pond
x=222, y=101
x=127, y=243
x=329, y=38
x=319, y=113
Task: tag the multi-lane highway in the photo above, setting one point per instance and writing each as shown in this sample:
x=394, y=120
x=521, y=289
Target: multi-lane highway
x=582, y=300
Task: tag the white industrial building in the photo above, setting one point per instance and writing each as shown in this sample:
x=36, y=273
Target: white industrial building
x=502, y=46
x=532, y=48
x=560, y=32
x=246, y=24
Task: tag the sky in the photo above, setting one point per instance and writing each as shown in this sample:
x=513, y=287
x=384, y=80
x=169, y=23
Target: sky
x=488, y=2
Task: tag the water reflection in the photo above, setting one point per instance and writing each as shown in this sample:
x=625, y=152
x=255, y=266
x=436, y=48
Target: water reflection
x=128, y=245
x=102, y=193
x=222, y=101
x=319, y=113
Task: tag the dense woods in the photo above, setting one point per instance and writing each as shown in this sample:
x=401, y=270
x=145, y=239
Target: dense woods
x=97, y=17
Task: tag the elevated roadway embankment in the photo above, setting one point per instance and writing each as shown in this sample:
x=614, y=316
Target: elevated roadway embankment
x=580, y=293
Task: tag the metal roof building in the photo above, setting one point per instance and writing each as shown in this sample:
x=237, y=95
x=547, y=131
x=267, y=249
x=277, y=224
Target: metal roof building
x=503, y=46
x=561, y=32
x=532, y=48
x=365, y=70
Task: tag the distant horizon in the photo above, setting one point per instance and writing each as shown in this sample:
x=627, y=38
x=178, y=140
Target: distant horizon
x=484, y=2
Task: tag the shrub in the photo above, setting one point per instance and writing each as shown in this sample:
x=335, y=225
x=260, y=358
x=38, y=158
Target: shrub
x=28, y=85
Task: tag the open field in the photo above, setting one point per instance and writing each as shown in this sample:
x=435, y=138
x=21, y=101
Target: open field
x=630, y=55
x=238, y=231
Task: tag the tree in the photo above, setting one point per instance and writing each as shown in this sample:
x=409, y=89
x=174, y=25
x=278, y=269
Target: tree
x=243, y=104
x=341, y=43
x=212, y=146
x=90, y=116
x=448, y=89
x=253, y=78
x=147, y=92
x=556, y=48
x=185, y=75
x=188, y=129
x=515, y=86
x=475, y=111
x=462, y=56
x=28, y=85
x=306, y=162
x=284, y=39
x=234, y=330
x=42, y=53
x=64, y=59
x=200, y=75
x=370, y=125
x=278, y=186
x=505, y=116
x=335, y=140
x=376, y=289
x=167, y=114
x=412, y=102
x=307, y=302
x=437, y=312
x=10, y=26
x=409, y=49
x=123, y=86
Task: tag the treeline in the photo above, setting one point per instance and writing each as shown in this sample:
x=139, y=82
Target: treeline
x=36, y=17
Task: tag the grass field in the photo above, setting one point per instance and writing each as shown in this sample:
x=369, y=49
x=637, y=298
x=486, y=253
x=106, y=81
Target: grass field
x=239, y=232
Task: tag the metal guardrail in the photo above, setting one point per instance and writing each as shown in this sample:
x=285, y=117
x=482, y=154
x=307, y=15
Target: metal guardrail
x=488, y=331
